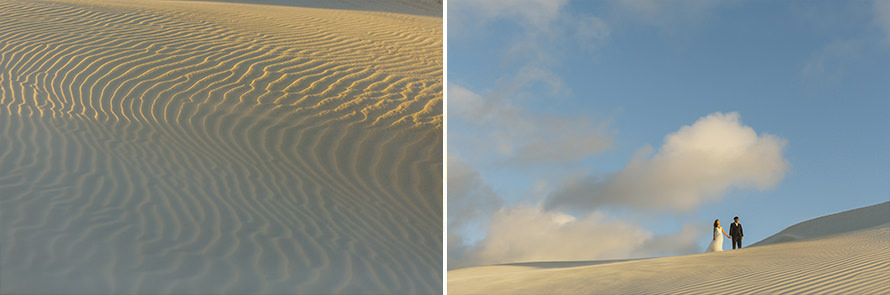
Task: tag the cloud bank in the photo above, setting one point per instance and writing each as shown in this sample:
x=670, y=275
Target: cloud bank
x=526, y=233
x=470, y=200
x=696, y=164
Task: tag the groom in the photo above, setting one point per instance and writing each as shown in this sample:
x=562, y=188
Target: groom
x=735, y=231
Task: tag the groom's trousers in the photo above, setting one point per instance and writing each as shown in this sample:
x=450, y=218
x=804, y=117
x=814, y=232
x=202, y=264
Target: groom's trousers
x=736, y=241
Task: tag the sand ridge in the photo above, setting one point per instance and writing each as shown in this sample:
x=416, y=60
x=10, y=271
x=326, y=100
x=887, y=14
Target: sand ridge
x=198, y=147
x=416, y=7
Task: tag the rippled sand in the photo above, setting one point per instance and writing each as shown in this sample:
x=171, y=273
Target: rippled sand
x=201, y=147
x=843, y=253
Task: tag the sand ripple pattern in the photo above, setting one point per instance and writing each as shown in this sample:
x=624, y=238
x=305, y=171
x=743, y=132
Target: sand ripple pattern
x=156, y=147
x=851, y=263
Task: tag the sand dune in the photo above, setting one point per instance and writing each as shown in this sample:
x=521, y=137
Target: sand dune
x=875, y=216
x=183, y=147
x=418, y=7
x=845, y=253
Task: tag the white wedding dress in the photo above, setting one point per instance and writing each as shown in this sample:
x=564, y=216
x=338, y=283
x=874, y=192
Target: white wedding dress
x=716, y=243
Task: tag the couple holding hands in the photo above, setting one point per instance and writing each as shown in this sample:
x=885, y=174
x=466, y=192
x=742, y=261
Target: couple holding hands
x=735, y=234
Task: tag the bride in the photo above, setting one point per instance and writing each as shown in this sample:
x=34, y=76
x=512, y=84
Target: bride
x=717, y=242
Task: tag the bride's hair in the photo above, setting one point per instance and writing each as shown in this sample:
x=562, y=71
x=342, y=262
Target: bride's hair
x=715, y=222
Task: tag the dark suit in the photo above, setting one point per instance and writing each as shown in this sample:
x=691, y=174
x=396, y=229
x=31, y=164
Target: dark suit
x=735, y=231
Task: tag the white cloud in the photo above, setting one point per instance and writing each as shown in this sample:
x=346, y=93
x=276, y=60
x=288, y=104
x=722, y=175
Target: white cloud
x=696, y=164
x=540, y=29
x=521, y=137
x=471, y=203
x=591, y=31
x=533, y=13
x=526, y=233
x=669, y=17
x=539, y=32
x=828, y=63
x=560, y=139
x=882, y=16
x=851, y=29
x=469, y=197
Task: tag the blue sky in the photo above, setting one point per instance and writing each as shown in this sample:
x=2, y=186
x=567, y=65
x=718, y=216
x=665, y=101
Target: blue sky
x=560, y=113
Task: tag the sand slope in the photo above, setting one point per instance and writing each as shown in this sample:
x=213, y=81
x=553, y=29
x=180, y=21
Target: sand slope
x=179, y=147
x=856, y=261
x=873, y=216
x=418, y=7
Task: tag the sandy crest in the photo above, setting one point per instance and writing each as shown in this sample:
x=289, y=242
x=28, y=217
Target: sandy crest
x=855, y=261
x=176, y=147
x=417, y=7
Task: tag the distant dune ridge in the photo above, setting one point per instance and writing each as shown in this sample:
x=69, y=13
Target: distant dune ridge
x=417, y=7
x=844, y=253
x=875, y=216
x=185, y=147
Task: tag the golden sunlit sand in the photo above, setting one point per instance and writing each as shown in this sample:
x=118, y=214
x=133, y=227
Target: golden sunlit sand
x=844, y=253
x=153, y=147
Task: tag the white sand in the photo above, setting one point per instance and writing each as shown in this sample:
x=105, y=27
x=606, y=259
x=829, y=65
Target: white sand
x=845, y=253
x=185, y=147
